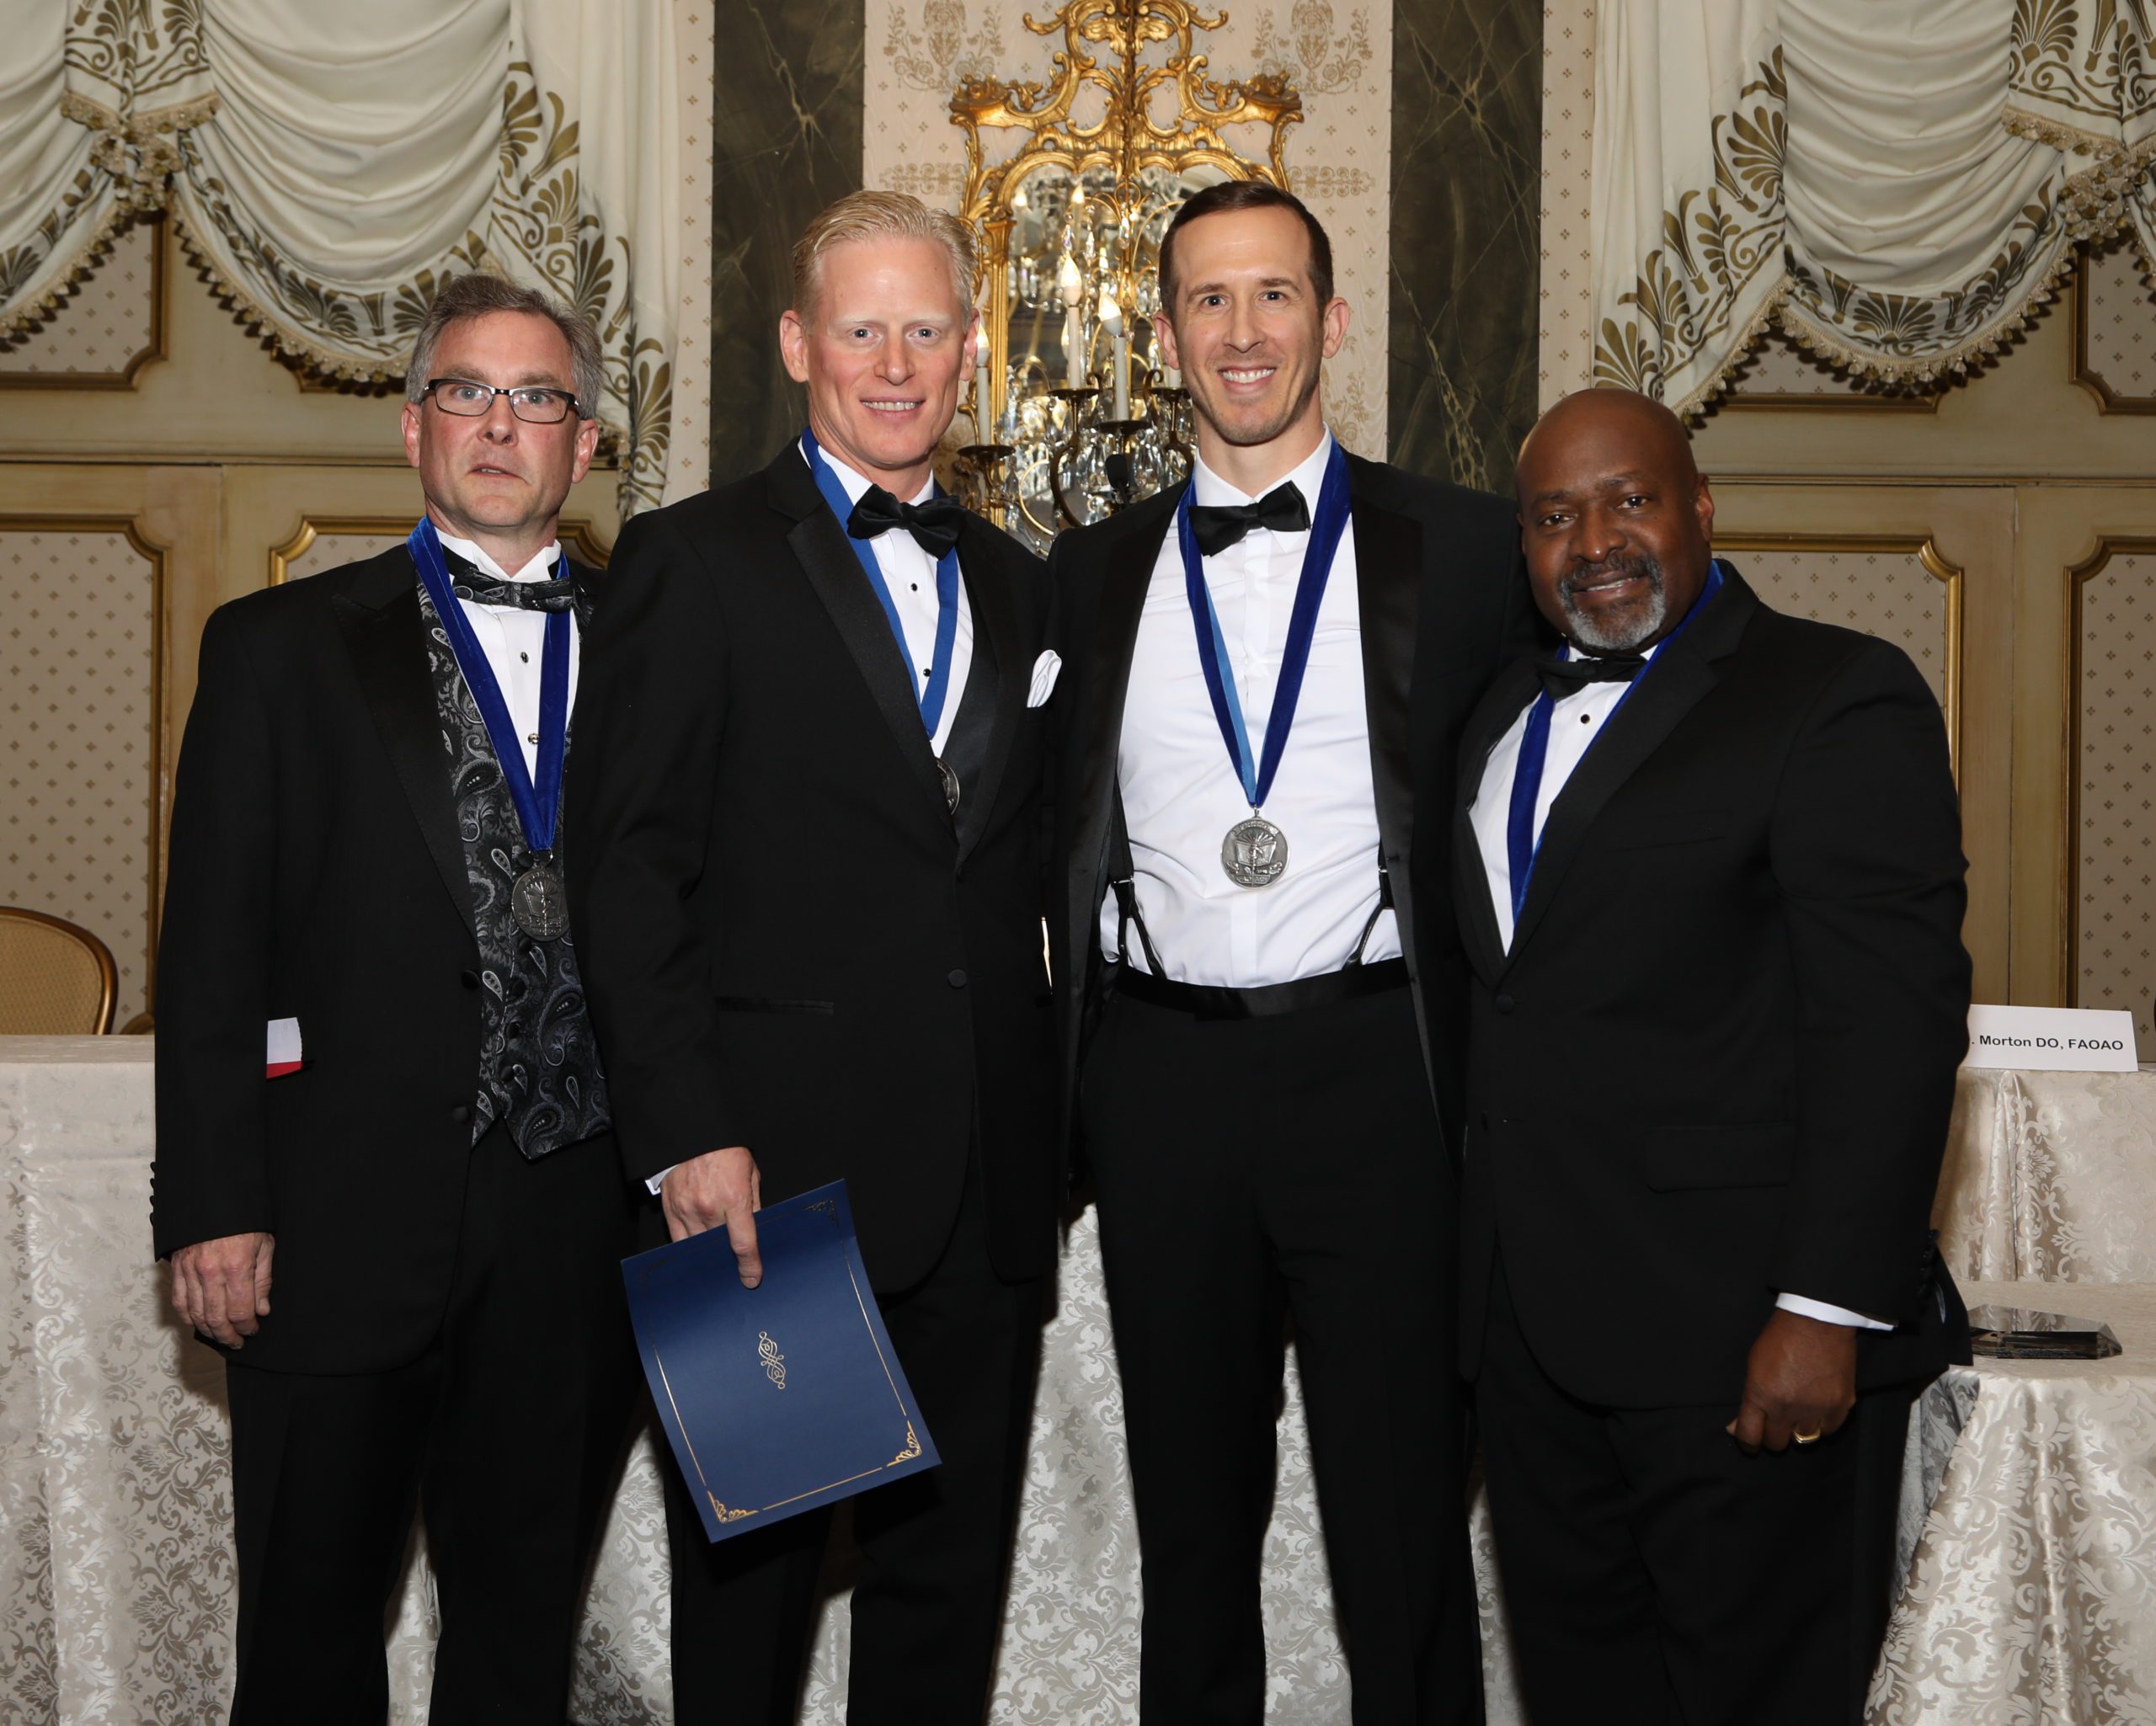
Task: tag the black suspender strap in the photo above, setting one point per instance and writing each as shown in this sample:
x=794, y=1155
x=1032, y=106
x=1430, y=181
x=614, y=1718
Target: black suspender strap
x=1122, y=870
x=1377, y=910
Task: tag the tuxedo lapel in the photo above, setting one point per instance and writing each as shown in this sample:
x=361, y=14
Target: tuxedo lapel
x=585, y=595
x=1672, y=685
x=1133, y=547
x=826, y=557
x=1388, y=588
x=380, y=619
x=1515, y=687
x=994, y=695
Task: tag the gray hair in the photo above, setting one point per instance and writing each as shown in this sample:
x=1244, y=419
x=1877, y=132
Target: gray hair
x=461, y=298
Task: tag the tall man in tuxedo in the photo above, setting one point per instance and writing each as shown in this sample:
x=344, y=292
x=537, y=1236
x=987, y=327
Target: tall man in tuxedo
x=355, y=867
x=810, y=899
x=1266, y=670
x=1711, y=880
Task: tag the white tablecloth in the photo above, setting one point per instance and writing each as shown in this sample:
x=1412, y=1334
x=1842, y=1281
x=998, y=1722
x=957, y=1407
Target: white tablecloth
x=2051, y=1177
x=116, y=1580
x=115, y=1562
x=2032, y=1599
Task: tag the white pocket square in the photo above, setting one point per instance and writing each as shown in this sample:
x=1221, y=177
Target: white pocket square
x=1044, y=670
x=285, y=1051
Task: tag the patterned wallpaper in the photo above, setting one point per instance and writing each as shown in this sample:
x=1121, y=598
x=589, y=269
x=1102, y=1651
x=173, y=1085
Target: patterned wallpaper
x=2115, y=965
x=327, y=550
x=78, y=737
x=1889, y=594
x=1337, y=53
x=688, y=461
x=1567, y=333
x=108, y=319
x=2120, y=306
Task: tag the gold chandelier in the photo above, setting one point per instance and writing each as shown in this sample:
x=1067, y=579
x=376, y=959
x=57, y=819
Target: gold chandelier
x=1073, y=417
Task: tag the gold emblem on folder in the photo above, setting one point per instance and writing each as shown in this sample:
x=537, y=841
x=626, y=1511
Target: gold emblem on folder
x=774, y=1361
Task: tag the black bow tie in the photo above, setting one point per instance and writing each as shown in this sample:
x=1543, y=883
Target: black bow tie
x=467, y=581
x=1568, y=677
x=1217, y=526
x=934, y=524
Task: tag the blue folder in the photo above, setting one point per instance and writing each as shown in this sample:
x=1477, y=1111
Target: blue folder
x=782, y=1397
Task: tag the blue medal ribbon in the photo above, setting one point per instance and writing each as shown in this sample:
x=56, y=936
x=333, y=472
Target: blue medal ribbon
x=537, y=806
x=1523, y=843
x=1329, y=523
x=946, y=590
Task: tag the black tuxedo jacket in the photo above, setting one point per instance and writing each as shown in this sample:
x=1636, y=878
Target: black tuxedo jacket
x=1444, y=606
x=1717, y=1063
x=317, y=874
x=790, y=942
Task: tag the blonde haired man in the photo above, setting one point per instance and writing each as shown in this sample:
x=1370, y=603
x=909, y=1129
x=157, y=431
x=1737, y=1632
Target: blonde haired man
x=808, y=888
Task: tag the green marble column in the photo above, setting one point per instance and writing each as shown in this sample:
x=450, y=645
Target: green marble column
x=786, y=99
x=1466, y=254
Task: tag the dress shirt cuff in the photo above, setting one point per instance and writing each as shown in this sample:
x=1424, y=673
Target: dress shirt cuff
x=659, y=1179
x=1805, y=1308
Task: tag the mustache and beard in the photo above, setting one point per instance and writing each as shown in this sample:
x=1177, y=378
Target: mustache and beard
x=1614, y=628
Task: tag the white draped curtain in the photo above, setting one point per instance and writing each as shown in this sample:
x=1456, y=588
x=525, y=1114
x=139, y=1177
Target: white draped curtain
x=1898, y=184
x=327, y=162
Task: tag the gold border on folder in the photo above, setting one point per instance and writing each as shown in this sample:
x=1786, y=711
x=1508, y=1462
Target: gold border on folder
x=913, y=1442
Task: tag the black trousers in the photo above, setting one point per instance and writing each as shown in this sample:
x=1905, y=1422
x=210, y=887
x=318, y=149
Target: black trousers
x=935, y=1548
x=1246, y=1170
x=1656, y=1575
x=508, y=1431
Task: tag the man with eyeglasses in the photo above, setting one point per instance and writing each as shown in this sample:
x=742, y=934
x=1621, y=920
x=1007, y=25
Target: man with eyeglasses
x=374, y=1063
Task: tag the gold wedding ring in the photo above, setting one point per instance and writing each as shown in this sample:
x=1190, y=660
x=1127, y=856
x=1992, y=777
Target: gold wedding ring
x=1812, y=1437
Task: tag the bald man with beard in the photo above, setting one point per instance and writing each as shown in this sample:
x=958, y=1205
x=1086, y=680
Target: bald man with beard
x=1709, y=879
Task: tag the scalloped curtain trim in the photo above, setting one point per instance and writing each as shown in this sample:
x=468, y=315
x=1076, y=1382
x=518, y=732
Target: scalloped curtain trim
x=141, y=186
x=32, y=314
x=2088, y=187
x=2104, y=187
x=1782, y=312
x=294, y=343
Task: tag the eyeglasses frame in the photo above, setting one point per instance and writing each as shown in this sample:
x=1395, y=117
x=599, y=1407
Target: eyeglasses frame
x=512, y=391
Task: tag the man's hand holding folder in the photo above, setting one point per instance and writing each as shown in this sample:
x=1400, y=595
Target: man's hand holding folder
x=721, y=1189
x=778, y=1392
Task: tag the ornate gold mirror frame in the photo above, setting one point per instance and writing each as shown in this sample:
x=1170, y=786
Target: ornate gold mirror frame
x=1069, y=228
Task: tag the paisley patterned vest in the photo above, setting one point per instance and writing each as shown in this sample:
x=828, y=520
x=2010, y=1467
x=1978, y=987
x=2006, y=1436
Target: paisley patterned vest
x=539, y=1072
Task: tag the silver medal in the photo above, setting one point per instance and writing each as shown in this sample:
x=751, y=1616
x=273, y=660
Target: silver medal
x=540, y=902
x=950, y=785
x=1255, y=853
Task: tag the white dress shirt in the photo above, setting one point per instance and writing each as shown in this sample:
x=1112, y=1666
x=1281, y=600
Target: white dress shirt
x=512, y=639
x=909, y=573
x=1575, y=723
x=1182, y=793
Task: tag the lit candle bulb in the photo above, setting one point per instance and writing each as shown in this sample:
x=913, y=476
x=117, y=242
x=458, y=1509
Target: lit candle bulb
x=1072, y=288
x=1112, y=321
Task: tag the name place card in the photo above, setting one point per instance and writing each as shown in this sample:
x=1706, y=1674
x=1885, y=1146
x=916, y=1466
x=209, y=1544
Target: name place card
x=2055, y=1039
